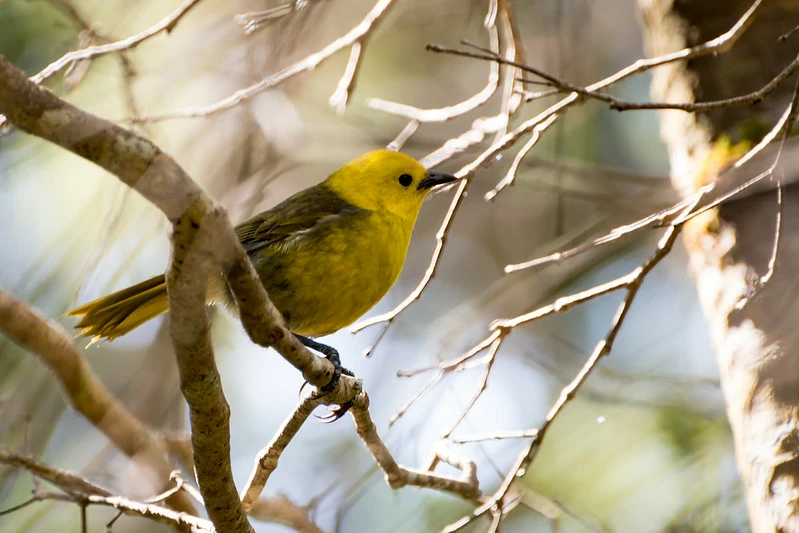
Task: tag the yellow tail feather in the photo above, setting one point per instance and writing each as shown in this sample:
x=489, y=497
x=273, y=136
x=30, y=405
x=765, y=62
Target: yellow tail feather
x=117, y=314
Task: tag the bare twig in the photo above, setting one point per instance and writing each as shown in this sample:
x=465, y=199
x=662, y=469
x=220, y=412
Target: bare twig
x=63, y=479
x=37, y=497
x=338, y=100
x=618, y=104
x=153, y=512
x=180, y=485
x=82, y=492
x=511, y=86
x=364, y=28
x=632, y=283
x=703, y=200
x=398, y=476
x=489, y=364
x=424, y=390
x=783, y=129
x=510, y=176
x=443, y=114
x=253, y=21
x=403, y=136
x=165, y=25
x=497, y=435
x=267, y=459
x=787, y=35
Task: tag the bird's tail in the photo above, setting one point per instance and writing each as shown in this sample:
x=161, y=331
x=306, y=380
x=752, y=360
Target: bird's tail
x=121, y=312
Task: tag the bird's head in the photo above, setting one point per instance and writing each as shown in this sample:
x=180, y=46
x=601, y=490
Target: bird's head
x=387, y=182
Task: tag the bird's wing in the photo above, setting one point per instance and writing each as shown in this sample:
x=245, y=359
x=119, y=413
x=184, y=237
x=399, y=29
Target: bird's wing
x=304, y=212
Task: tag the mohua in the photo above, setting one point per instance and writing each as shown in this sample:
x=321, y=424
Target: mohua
x=326, y=255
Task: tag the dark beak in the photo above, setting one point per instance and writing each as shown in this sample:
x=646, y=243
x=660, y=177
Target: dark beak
x=434, y=178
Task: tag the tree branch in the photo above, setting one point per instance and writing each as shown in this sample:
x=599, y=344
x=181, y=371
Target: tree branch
x=398, y=476
x=86, y=393
x=166, y=24
x=203, y=241
x=355, y=35
x=266, y=463
x=84, y=493
x=199, y=225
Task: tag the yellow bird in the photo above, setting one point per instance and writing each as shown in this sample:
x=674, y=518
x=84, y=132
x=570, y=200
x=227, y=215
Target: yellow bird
x=326, y=255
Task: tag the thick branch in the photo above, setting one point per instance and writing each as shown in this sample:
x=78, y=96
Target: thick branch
x=143, y=166
x=85, y=392
x=203, y=241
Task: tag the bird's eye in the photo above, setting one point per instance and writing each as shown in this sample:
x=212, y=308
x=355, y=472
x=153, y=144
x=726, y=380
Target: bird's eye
x=405, y=180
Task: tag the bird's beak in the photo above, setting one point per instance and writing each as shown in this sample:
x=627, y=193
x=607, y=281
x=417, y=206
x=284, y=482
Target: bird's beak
x=434, y=178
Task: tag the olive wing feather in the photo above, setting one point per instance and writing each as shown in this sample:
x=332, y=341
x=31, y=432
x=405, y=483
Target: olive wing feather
x=304, y=212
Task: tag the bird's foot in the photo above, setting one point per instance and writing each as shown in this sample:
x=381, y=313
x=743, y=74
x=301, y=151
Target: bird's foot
x=337, y=412
x=331, y=354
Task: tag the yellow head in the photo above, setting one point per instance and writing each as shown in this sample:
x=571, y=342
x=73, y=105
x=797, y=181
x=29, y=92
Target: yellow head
x=386, y=181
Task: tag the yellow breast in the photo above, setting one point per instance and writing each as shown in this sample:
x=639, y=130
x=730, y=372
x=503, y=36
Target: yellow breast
x=327, y=284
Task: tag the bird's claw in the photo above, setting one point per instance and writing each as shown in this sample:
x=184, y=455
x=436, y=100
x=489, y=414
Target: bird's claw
x=331, y=354
x=336, y=412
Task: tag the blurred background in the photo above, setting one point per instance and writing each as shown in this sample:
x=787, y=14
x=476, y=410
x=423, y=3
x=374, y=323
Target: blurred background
x=644, y=447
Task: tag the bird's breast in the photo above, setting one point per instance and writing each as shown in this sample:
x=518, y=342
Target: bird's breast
x=328, y=281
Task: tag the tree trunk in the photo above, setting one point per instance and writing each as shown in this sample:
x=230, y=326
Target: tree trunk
x=757, y=338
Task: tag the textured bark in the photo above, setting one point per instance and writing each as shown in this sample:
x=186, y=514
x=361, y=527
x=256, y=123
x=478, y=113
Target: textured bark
x=758, y=345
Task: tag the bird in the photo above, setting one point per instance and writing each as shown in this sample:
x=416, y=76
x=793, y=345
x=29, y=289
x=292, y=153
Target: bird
x=325, y=255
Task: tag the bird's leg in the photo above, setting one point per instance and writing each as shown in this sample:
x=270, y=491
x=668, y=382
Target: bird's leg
x=331, y=355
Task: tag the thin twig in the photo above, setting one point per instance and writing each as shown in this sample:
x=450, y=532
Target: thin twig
x=267, y=459
x=399, y=476
x=443, y=114
x=490, y=359
x=634, y=280
x=404, y=409
x=498, y=435
x=510, y=175
x=33, y=499
x=366, y=26
x=783, y=129
x=618, y=104
x=338, y=100
x=675, y=214
x=165, y=25
x=253, y=21
x=511, y=86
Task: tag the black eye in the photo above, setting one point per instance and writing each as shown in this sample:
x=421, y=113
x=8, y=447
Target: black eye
x=405, y=180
